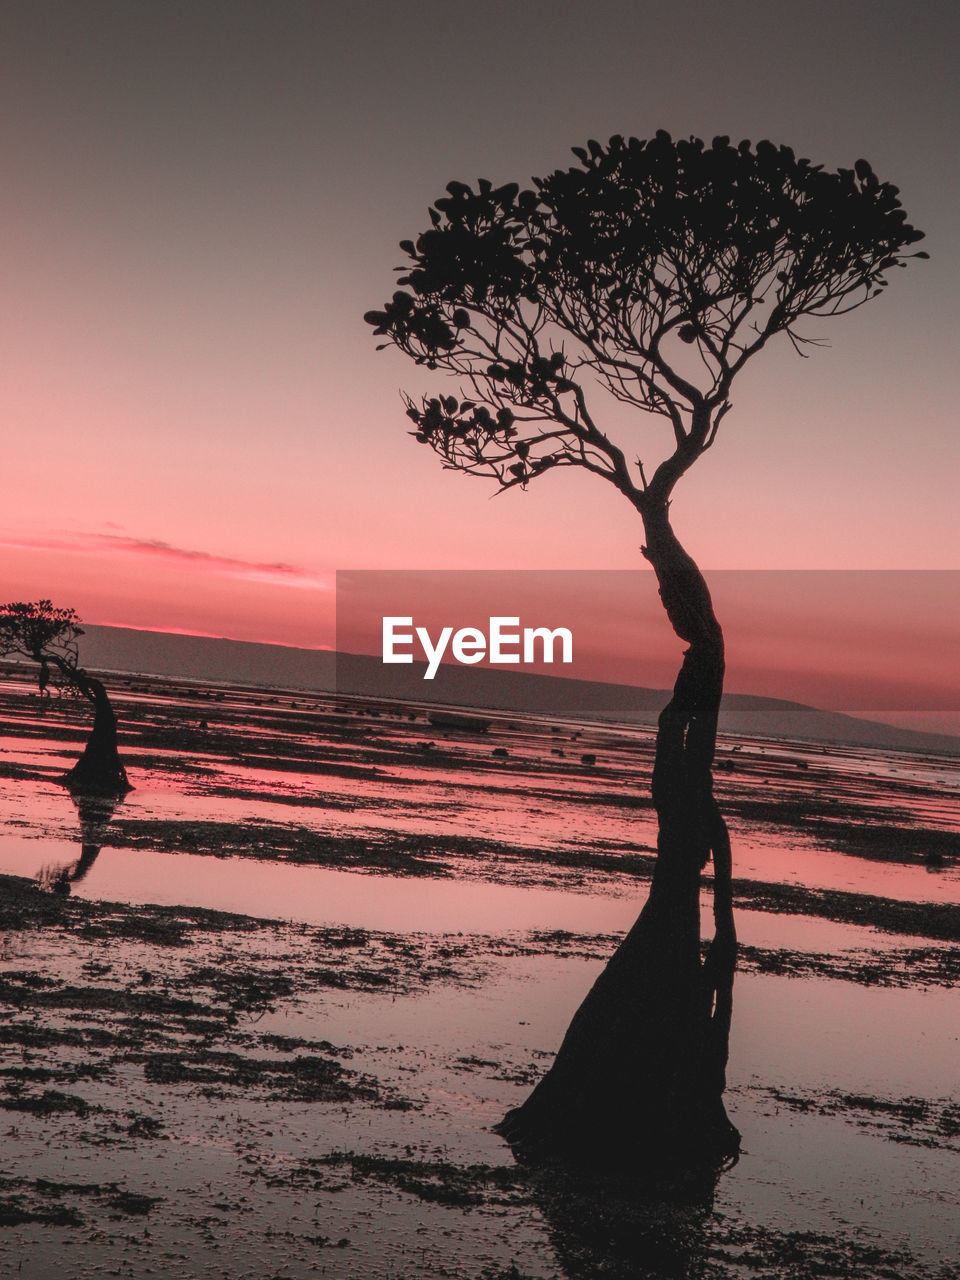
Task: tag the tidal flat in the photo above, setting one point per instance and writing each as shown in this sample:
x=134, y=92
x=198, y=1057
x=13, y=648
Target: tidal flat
x=258, y=1019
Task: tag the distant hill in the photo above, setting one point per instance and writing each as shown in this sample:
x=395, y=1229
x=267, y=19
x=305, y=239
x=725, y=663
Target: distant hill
x=162, y=653
x=236, y=661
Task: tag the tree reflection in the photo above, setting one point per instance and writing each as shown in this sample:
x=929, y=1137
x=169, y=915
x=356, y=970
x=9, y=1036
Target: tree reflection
x=93, y=813
x=623, y=1226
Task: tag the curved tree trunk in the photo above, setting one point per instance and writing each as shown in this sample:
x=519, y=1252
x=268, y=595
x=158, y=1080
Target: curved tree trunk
x=99, y=771
x=639, y=1077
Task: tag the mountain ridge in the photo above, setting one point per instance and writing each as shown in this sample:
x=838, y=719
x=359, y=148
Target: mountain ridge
x=171, y=655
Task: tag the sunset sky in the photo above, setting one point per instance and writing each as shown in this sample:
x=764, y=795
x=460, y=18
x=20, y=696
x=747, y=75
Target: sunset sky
x=201, y=199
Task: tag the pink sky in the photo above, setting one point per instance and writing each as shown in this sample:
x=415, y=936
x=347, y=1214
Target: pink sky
x=198, y=431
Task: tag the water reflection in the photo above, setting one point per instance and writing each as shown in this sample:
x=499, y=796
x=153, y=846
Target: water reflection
x=620, y=1227
x=93, y=814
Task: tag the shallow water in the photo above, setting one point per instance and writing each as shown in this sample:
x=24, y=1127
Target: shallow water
x=523, y=812
x=799, y=1171
x=231, y=1169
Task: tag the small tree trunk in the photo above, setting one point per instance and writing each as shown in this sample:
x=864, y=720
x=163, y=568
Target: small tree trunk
x=639, y=1077
x=99, y=771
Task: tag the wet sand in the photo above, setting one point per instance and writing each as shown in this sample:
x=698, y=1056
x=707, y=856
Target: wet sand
x=269, y=1028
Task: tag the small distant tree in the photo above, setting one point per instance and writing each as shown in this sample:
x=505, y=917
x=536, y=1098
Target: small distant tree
x=48, y=636
x=652, y=271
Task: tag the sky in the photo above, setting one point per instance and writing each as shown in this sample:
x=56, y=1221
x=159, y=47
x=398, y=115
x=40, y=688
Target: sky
x=201, y=199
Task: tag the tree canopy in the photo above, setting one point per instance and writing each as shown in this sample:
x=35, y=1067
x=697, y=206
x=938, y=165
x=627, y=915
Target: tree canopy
x=38, y=630
x=655, y=269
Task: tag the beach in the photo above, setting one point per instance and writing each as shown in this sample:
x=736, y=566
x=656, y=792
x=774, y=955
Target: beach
x=259, y=1018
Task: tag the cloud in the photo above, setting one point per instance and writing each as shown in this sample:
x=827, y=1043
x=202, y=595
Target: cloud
x=273, y=573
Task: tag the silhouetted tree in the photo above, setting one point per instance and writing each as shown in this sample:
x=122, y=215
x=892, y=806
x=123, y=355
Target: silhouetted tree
x=654, y=270
x=48, y=636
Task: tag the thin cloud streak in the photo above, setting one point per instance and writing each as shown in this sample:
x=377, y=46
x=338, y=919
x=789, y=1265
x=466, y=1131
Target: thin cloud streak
x=158, y=551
